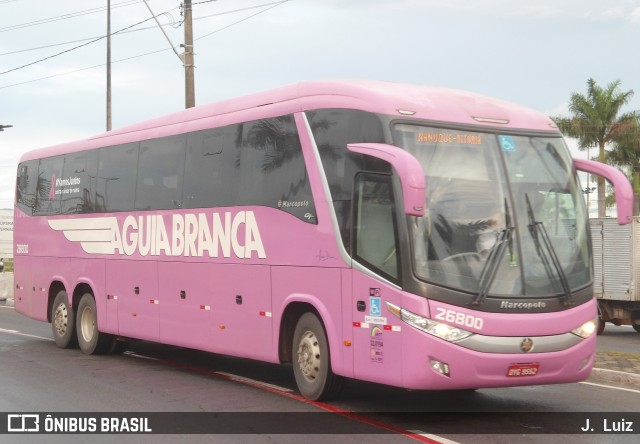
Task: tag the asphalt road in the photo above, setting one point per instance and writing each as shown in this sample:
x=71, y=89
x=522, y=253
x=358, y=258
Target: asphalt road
x=36, y=376
x=623, y=339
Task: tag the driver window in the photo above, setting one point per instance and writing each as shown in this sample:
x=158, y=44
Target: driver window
x=375, y=238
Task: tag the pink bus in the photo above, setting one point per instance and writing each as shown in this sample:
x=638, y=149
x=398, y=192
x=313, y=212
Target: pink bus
x=413, y=236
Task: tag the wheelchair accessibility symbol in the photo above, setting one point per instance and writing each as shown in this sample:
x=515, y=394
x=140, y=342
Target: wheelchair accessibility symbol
x=507, y=143
x=375, y=308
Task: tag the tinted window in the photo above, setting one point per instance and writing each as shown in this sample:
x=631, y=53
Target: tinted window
x=26, y=186
x=77, y=185
x=160, y=172
x=375, y=224
x=332, y=130
x=116, y=180
x=253, y=163
x=49, y=186
x=211, y=177
x=272, y=169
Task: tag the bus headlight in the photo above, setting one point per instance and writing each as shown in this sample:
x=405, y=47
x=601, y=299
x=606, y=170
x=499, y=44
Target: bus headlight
x=438, y=329
x=586, y=329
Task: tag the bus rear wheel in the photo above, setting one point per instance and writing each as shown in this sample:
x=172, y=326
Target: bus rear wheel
x=90, y=339
x=63, y=322
x=311, y=360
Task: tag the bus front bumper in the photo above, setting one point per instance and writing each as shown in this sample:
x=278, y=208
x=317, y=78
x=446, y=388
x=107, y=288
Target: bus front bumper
x=443, y=365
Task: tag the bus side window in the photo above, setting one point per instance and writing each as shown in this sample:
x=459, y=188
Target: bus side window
x=26, y=186
x=332, y=130
x=375, y=233
x=117, y=169
x=210, y=178
x=160, y=173
x=252, y=163
x=272, y=168
x=49, y=186
x=79, y=186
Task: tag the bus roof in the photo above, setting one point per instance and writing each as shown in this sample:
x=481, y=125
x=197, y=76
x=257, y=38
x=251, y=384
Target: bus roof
x=402, y=100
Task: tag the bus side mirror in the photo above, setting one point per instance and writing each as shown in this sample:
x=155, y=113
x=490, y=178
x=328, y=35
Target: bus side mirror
x=408, y=168
x=622, y=187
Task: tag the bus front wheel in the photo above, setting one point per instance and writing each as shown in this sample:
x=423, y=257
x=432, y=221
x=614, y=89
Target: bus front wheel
x=63, y=322
x=311, y=360
x=91, y=341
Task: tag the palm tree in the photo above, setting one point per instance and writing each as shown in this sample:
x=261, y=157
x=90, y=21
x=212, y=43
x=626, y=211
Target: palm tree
x=596, y=123
x=626, y=155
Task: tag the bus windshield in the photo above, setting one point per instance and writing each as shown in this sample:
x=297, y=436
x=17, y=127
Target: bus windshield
x=502, y=211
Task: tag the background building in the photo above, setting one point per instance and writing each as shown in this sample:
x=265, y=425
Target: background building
x=6, y=234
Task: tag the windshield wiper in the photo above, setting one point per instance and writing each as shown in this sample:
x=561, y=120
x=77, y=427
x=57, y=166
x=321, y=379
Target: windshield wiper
x=490, y=269
x=535, y=228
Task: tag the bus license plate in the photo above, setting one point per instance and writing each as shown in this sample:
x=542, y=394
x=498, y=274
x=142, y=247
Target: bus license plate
x=518, y=370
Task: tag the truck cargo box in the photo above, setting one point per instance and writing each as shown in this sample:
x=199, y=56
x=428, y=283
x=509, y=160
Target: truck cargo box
x=616, y=270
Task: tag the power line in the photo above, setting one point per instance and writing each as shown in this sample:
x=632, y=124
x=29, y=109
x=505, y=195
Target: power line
x=83, y=69
x=217, y=14
x=272, y=5
x=74, y=48
x=53, y=45
x=74, y=14
x=67, y=16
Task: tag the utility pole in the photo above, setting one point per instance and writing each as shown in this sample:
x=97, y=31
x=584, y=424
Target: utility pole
x=187, y=57
x=108, y=65
x=189, y=87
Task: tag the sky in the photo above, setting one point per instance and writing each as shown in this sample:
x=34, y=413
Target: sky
x=535, y=53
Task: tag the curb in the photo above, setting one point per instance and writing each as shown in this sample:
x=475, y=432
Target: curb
x=615, y=376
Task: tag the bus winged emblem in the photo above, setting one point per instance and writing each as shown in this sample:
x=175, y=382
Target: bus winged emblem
x=96, y=235
x=526, y=345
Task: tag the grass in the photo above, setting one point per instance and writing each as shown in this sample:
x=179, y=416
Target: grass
x=620, y=355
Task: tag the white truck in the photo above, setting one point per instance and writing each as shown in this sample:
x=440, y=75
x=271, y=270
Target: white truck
x=616, y=271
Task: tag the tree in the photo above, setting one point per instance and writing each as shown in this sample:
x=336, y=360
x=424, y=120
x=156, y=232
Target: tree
x=597, y=123
x=626, y=155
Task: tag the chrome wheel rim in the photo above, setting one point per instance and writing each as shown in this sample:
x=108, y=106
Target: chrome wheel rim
x=87, y=324
x=61, y=319
x=309, y=356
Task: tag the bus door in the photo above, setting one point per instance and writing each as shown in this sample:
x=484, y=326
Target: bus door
x=376, y=336
x=133, y=287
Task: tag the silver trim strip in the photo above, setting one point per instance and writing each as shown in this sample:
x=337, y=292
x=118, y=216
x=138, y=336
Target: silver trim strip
x=327, y=192
x=511, y=345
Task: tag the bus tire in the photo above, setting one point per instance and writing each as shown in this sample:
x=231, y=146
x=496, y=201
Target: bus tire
x=312, y=362
x=63, y=322
x=90, y=339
